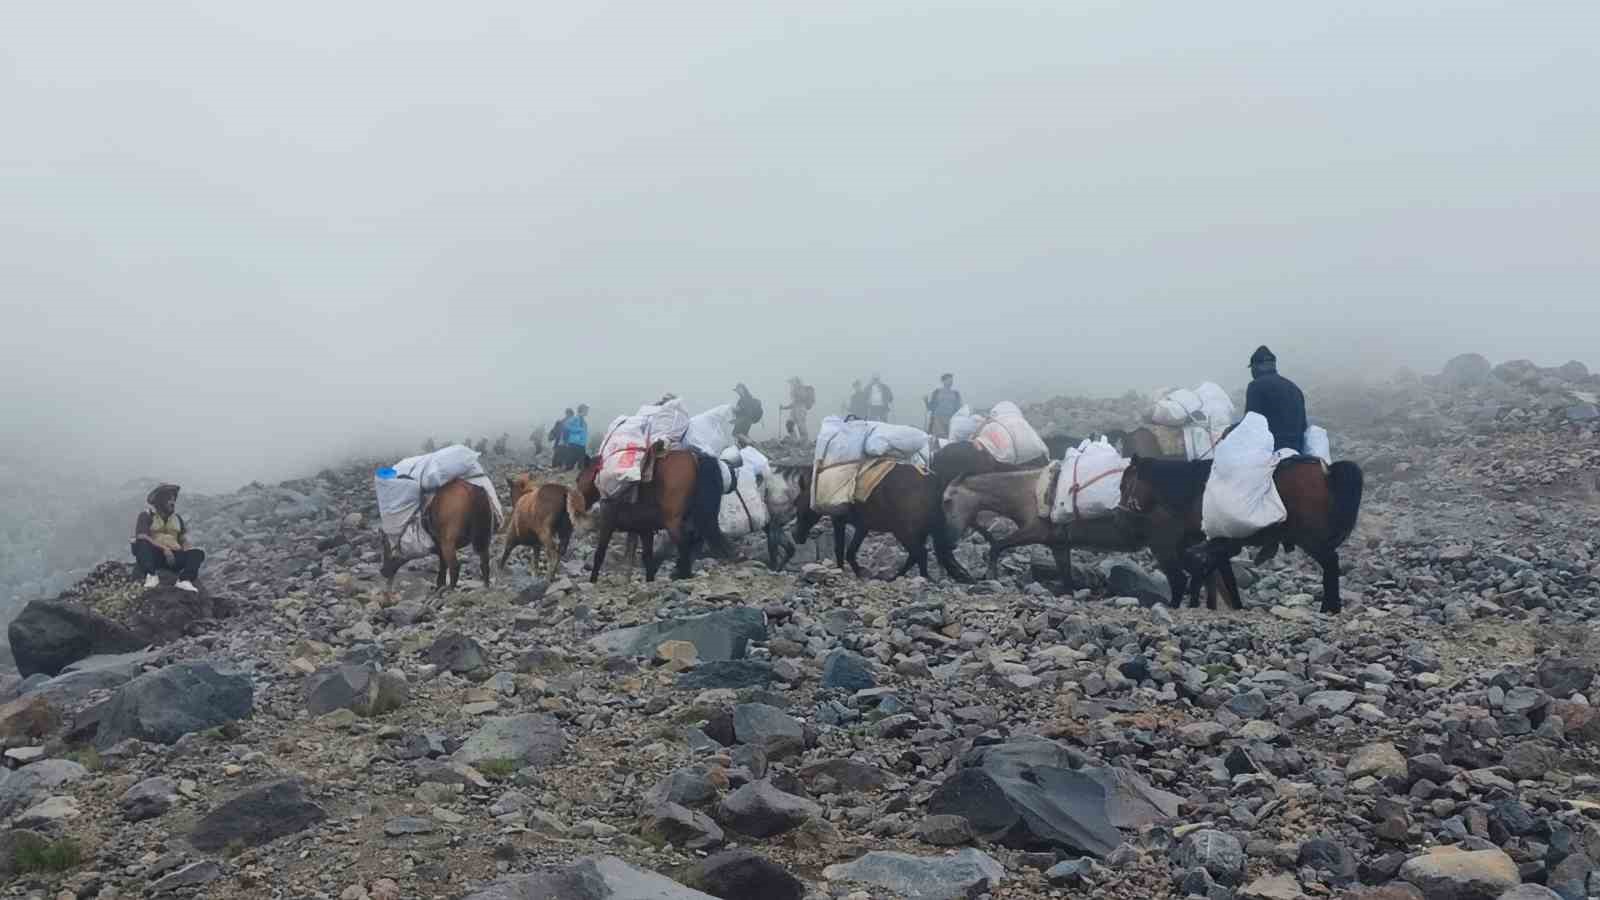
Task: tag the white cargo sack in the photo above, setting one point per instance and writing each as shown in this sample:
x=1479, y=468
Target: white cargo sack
x=1207, y=425
x=1007, y=436
x=901, y=441
x=1177, y=408
x=1316, y=444
x=711, y=432
x=1241, y=497
x=743, y=510
x=964, y=425
x=403, y=491
x=621, y=456
x=1090, y=484
x=667, y=422
x=839, y=441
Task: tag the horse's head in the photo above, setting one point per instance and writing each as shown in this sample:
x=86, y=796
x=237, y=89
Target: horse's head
x=520, y=484
x=585, y=484
x=1138, y=495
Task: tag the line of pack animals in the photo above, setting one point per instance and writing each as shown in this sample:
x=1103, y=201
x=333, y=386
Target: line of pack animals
x=1190, y=486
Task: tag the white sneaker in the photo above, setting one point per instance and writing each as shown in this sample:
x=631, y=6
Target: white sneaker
x=187, y=586
x=151, y=581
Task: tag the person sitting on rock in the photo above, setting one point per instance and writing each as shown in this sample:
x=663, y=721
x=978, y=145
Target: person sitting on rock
x=160, y=541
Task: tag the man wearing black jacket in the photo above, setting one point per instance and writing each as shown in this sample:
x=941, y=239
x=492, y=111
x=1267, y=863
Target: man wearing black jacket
x=1277, y=399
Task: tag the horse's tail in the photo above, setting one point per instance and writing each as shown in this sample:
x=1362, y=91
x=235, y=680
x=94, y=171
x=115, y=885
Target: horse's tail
x=706, y=504
x=1344, y=483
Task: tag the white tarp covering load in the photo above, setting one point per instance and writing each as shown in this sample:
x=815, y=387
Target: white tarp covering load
x=901, y=441
x=1203, y=414
x=744, y=510
x=667, y=422
x=1090, y=485
x=621, y=456
x=1241, y=497
x=843, y=446
x=711, y=432
x=1316, y=444
x=1008, y=437
x=964, y=425
x=404, y=489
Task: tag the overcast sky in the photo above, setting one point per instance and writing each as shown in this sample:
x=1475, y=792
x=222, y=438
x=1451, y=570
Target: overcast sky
x=237, y=239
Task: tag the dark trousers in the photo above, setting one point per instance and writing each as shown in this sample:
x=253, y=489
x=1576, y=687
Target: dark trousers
x=569, y=456
x=151, y=560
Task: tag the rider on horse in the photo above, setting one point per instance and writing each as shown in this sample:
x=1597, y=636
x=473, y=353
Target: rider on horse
x=1278, y=400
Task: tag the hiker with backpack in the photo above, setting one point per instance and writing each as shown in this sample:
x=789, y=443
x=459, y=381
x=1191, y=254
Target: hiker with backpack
x=802, y=397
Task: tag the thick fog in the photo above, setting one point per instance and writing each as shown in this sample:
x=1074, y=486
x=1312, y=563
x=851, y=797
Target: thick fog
x=238, y=241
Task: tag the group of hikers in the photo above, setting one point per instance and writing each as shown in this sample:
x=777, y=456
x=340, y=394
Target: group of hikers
x=160, y=542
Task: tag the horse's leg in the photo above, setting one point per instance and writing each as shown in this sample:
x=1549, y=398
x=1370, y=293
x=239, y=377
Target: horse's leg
x=651, y=564
x=856, y=541
x=1331, y=602
x=535, y=558
x=911, y=560
x=506, y=556
x=1062, y=554
x=602, y=540
x=444, y=569
x=1231, y=585
x=838, y=540
x=922, y=558
x=482, y=549
x=630, y=551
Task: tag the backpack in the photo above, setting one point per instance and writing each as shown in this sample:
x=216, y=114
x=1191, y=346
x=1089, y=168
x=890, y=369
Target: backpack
x=808, y=396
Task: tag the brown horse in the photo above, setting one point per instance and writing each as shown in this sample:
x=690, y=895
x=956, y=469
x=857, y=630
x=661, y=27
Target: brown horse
x=543, y=516
x=682, y=499
x=960, y=458
x=1013, y=495
x=1322, y=510
x=460, y=514
x=905, y=504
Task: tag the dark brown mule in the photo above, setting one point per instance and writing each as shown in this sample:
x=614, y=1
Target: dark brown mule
x=675, y=500
x=906, y=503
x=966, y=458
x=1012, y=495
x=460, y=514
x=1322, y=510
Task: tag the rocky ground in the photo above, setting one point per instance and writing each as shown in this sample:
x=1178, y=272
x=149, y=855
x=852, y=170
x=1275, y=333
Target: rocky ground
x=297, y=731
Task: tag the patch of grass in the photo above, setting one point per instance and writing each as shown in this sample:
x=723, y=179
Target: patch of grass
x=56, y=856
x=498, y=769
x=234, y=848
x=88, y=757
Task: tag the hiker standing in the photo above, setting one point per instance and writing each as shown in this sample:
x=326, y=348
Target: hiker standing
x=161, y=542
x=879, y=399
x=574, y=447
x=555, y=436
x=802, y=397
x=746, y=411
x=943, y=404
x=858, y=401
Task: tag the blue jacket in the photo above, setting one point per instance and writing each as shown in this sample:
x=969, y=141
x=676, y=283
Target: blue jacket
x=576, y=432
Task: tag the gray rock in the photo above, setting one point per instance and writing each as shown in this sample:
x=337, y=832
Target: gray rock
x=945, y=831
x=1530, y=892
x=1331, y=857
x=771, y=729
x=848, y=774
x=164, y=705
x=192, y=875
x=595, y=878
x=1251, y=704
x=1446, y=873
x=742, y=874
x=455, y=652
x=686, y=786
x=49, y=635
x=149, y=799
x=21, y=788
x=256, y=816
x=1565, y=676
x=1331, y=702
x=1124, y=579
x=1380, y=760
x=14, y=841
x=761, y=810
x=846, y=671
x=955, y=877
x=1218, y=852
x=1272, y=887
x=361, y=689
x=1466, y=370
x=722, y=635
x=734, y=674
x=1024, y=795
x=669, y=823
x=1071, y=873
x=401, y=826
x=1202, y=734
x=528, y=740
x=96, y=673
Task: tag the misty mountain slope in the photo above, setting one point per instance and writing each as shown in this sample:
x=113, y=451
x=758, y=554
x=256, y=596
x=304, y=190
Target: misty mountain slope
x=512, y=730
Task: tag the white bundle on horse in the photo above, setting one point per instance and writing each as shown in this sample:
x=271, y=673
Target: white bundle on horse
x=744, y=509
x=903, y=441
x=1241, y=498
x=1316, y=444
x=622, y=455
x=1090, y=484
x=1008, y=437
x=711, y=432
x=665, y=422
x=403, y=490
x=964, y=424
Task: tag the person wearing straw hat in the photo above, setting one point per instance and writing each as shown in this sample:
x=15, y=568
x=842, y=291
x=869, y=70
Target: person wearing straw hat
x=161, y=543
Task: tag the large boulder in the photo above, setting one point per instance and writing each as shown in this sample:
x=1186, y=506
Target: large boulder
x=49, y=635
x=954, y=877
x=773, y=730
x=256, y=816
x=1218, y=852
x=21, y=788
x=1448, y=873
x=1125, y=579
x=761, y=810
x=1466, y=370
x=149, y=799
x=739, y=874
x=722, y=635
x=166, y=704
x=1025, y=794
x=105, y=672
x=595, y=878
x=27, y=719
x=166, y=613
x=528, y=740
x=1564, y=676
x=359, y=688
